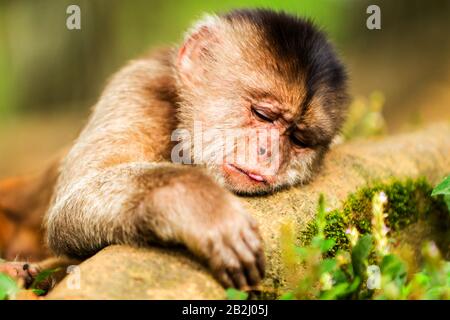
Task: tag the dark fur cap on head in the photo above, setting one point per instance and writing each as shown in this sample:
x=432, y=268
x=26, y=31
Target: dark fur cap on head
x=300, y=45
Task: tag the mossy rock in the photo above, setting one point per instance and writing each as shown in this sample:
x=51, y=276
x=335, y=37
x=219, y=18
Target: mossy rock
x=409, y=202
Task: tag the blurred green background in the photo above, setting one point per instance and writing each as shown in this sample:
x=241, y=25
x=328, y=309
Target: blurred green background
x=50, y=76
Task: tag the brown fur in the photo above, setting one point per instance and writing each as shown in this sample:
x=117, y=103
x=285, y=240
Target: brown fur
x=117, y=183
x=23, y=203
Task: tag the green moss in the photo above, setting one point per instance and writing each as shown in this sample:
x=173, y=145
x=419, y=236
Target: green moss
x=335, y=229
x=408, y=201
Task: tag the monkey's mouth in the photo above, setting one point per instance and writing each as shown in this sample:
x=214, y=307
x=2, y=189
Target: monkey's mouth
x=232, y=169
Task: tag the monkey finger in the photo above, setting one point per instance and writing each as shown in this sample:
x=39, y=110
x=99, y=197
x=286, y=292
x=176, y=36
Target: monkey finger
x=252, y=239
x=261, y=263
x=255, y=243
x=218, y=269
x=223, y=257
x=248, y=260
x=223, y=277
x=252, y=222
x=233, y=267
x=253, y=274
x=18, y=270
x=238, y=276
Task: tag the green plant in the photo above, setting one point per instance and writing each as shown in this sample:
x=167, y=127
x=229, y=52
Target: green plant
x=368, y=268
x=234, y=294
x=409, y=202
x=443, y=188
x=328, y=278
x=8, y=287
x=40, y=284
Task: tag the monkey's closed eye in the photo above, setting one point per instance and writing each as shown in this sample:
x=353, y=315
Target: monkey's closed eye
x=261, y=115
x=298, y=142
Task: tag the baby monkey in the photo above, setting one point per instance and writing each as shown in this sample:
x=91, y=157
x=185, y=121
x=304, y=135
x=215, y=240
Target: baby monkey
x=246, y=72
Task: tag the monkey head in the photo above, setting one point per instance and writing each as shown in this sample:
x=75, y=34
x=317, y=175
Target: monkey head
x=267, y=93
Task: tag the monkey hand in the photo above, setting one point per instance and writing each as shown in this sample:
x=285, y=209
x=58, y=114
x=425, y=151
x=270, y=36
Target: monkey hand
x=231, y=245
x=234, y=247
x=216, y=227
x=21, y=271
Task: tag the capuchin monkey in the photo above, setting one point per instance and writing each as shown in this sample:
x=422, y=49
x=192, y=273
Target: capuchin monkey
x=246, y=72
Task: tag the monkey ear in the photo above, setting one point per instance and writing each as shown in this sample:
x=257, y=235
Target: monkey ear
x=196, y=50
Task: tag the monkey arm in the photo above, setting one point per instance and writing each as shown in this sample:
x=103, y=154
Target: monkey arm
x=112, y=205
x=137, y=203
x=106, y=176
x=116, y=186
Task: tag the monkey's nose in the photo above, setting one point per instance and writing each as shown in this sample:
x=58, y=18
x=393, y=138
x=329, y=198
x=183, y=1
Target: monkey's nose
x=262, y=151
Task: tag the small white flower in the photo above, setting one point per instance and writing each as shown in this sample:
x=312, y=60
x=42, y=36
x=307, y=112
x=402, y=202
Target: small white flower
x=383, y=197
x=353, y=235
x=433, y=250
x=326, y=281
x=379, y=229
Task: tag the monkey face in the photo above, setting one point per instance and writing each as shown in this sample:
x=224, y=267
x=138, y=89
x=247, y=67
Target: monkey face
x=260, y=144
x=267, y=94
